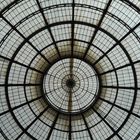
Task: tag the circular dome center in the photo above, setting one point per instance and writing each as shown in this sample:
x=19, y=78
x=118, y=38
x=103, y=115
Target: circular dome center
x=71, y=86
x=70, y=83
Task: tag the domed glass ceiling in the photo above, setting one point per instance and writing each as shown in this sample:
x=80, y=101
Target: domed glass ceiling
x=70, y=69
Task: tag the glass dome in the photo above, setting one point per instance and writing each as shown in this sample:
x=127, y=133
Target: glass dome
x=69, y=69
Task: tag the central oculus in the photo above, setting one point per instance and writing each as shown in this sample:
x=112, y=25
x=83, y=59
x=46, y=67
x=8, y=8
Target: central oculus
x=70, y=83
x=71, y=86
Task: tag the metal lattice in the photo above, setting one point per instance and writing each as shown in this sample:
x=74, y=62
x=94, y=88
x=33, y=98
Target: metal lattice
x=70, y=69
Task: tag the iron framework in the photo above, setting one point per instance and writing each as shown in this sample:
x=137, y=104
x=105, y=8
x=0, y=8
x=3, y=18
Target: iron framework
x=70, y=69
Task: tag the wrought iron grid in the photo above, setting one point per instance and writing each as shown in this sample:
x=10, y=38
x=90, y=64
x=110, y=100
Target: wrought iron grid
x=89, y=50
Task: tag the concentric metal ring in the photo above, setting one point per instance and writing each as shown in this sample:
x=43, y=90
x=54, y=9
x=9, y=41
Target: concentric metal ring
x=77, y=95
x=49, y=48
